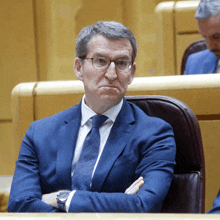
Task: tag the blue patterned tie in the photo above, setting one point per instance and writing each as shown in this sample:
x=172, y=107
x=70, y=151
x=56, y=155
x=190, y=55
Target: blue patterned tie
x=82, y=175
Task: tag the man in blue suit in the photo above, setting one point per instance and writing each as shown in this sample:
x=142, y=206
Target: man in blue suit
x=208, y=19
x=135, y=164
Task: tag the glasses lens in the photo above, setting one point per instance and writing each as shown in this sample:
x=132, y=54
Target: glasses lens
x=123, y=65
x=100, y=63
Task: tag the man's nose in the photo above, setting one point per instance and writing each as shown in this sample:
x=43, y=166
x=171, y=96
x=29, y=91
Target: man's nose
x=111, y=71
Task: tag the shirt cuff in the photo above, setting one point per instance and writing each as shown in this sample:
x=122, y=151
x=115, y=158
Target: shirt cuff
x=68, y=201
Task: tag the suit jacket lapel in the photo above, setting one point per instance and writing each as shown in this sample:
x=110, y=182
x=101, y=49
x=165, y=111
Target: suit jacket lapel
x=114, y=145
x=67, y=138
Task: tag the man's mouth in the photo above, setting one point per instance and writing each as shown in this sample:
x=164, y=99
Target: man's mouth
x=216, y=51
x=109, y=86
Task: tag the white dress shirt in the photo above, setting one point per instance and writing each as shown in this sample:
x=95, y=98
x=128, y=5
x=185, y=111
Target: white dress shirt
x=85, y=127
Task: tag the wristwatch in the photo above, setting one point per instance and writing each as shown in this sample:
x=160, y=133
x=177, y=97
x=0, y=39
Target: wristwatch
x=62, y=197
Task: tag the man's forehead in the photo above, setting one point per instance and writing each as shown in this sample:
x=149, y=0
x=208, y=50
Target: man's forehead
x=209, y=26
x=98, y=38
x=99, y=43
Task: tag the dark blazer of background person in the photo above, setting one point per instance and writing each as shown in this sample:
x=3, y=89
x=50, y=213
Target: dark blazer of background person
x=201, y=62
x=216, y=205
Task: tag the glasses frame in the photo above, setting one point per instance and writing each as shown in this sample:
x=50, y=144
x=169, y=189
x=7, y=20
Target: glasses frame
x=114, y=61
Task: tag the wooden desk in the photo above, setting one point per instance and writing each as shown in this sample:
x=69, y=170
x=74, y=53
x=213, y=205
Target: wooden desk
x=107, y=216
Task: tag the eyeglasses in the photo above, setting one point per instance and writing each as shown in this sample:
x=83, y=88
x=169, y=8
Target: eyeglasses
x=101, y=63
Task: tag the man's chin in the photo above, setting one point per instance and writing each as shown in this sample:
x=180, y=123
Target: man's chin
x=111, y=98
x=217, y=55
x=109, y=93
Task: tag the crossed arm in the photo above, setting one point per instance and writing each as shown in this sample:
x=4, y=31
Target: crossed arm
x=50, y=198
x=36, y=173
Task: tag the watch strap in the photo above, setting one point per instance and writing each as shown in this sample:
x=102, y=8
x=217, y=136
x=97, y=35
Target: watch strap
x=62, y=197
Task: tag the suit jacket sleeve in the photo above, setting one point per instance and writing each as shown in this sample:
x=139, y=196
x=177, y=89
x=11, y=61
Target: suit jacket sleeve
x=26, y=191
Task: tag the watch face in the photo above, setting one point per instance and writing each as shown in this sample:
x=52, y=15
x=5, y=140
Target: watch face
x=63, y=195
x=61, y=199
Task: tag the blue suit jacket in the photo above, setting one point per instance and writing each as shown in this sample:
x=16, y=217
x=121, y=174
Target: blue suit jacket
x=216, y=205
x=138, y=145
x=201, y=62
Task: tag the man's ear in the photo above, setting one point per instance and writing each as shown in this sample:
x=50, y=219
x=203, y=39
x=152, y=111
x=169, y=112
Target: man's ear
x=78, y=68
x=133, y=71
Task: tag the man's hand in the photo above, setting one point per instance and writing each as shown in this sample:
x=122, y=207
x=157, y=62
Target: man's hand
x=50, y=199
x=135, y=186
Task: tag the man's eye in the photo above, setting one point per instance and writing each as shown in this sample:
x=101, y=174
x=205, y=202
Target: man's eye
x=101, y=61
x=122, y=62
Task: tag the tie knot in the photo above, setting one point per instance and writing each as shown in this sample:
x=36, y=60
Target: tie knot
x=98, y=120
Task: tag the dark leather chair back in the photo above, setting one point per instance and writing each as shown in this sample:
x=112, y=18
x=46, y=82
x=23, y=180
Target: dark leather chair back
x=187, y=191
x=194, y=47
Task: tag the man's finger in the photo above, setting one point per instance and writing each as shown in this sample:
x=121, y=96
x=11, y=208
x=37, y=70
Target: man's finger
x=135, y=186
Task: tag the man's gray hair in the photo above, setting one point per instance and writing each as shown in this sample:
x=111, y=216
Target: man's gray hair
x=206, y=9
x=110, y=29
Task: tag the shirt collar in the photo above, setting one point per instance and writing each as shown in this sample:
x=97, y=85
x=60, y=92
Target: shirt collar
x=87, y=112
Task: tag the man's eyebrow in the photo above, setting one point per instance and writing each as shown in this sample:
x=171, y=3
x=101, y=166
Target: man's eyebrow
x=105, y=56
x=123, y=58
x=98, y=55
